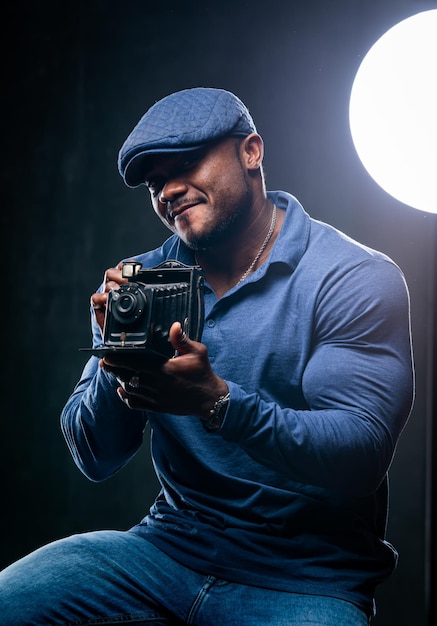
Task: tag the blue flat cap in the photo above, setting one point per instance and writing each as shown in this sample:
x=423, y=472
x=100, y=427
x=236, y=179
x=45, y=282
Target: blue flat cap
x=184, y=120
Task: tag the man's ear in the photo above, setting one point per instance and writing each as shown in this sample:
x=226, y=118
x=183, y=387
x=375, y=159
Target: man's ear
x=252, y=149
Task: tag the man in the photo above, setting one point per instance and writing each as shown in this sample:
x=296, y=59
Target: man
x=271, y=437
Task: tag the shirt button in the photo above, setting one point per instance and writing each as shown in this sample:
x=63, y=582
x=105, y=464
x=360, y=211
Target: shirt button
x=210, y=323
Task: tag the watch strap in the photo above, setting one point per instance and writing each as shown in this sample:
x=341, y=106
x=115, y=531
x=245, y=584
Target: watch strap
x=216, y=415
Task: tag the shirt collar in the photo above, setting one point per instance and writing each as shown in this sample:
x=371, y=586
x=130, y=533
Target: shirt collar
x=293, y=238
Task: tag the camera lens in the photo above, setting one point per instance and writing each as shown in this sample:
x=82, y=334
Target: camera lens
x=128, y=303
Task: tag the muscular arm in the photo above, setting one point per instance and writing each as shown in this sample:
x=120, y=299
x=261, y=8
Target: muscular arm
x=357, y=383
x=101, y=432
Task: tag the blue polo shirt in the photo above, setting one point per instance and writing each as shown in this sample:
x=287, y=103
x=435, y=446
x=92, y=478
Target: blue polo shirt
x=291, y=492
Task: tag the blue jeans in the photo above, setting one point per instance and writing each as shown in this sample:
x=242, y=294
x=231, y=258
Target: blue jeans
x=112, y=577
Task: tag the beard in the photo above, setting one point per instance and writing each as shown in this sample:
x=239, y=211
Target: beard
x=219, y=234
x=230, y=216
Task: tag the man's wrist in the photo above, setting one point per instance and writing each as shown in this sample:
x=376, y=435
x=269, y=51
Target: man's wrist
x=213, y=421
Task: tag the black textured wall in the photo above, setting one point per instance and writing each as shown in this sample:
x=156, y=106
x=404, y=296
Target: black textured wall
x=76, y=78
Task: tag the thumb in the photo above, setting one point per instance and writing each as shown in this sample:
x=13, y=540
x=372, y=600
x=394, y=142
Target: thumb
x=179, y=339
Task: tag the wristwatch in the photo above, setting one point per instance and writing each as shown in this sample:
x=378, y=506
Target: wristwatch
x=216, y=415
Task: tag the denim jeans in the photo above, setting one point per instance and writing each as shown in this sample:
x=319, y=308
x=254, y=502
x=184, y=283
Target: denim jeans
x=112, y=577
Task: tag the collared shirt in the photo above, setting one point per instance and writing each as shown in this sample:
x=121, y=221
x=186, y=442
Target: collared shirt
x=291, y=492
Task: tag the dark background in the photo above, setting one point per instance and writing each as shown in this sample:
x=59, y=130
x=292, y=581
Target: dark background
x=76, y=78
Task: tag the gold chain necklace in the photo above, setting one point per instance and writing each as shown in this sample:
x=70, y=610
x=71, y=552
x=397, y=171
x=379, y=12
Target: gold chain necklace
x=261, y=250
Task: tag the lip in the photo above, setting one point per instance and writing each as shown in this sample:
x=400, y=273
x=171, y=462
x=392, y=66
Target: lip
x=174, y=214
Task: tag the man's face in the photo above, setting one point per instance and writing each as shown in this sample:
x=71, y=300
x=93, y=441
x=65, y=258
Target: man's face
x=201, y=195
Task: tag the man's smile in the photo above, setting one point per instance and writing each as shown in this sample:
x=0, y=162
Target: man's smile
x=177, y=208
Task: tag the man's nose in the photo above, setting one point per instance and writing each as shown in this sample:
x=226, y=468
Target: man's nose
x=172, y=190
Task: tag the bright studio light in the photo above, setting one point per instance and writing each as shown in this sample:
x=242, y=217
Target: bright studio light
x=393, y=111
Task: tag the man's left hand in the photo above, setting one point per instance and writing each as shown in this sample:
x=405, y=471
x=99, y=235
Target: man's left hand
x=183, y=385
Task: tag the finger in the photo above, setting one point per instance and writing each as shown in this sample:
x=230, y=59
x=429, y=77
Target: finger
x=133, y=382
x=125, y=397
x=98, y=301
x=111, y=284
x=179, y=339
x=98, y=304
x=136, y=401
x=113, y=278
x=113, y=273
x=122, y=373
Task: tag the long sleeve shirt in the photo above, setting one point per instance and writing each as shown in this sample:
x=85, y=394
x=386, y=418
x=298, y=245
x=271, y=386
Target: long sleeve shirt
x=291, y=492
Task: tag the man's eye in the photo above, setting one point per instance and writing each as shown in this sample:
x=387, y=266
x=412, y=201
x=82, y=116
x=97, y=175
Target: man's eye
x=188, y=162
x=154, y=187
x=191, y=161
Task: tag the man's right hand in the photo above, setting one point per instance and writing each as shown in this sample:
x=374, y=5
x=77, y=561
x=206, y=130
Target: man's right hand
x=112, y=279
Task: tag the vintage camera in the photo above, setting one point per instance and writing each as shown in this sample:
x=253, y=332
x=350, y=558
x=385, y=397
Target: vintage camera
x=140, y=313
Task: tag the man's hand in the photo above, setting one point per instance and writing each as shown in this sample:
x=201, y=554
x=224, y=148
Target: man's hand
x=113, y=279
x=184, y=385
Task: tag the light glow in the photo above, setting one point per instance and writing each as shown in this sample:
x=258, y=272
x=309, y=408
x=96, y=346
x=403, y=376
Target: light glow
x=393, y=111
